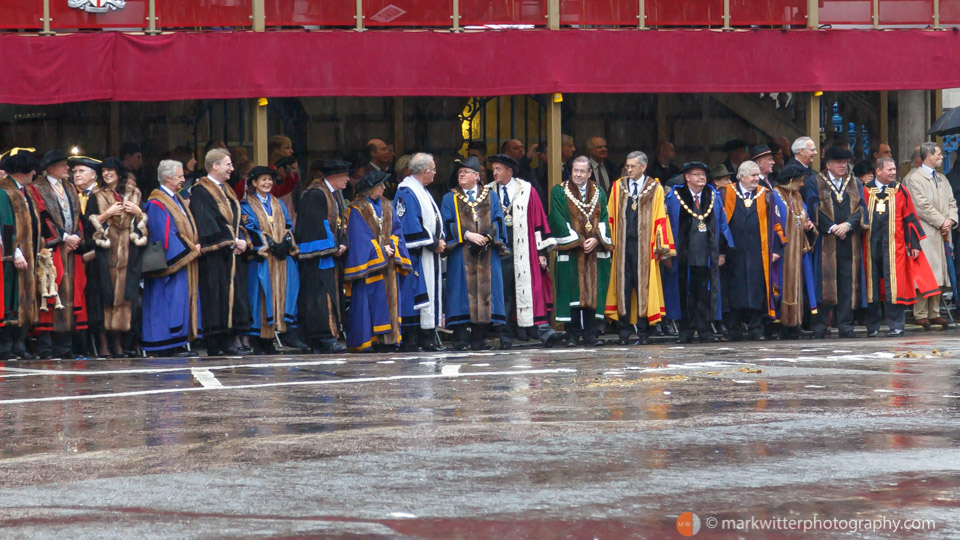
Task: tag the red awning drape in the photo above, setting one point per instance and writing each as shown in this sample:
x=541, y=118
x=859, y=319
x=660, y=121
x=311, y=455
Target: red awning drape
x=123, y=67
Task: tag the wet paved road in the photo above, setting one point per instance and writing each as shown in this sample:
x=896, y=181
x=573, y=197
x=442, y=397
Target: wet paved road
x=563, y=443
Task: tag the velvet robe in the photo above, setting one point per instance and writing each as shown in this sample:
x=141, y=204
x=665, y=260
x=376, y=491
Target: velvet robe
x=421, y=297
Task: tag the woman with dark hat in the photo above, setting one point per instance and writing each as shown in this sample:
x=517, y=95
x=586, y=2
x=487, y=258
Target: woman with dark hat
x=273, y=282
x=377, y=256
x=794, y=270
x=118, y=229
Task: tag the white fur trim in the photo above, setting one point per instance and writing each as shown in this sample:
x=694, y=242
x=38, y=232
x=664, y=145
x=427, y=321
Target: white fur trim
x=563, y=257
x=605, y=233
x=545, y=245
x=522, y=265
x=99, y=235
x=569, y=239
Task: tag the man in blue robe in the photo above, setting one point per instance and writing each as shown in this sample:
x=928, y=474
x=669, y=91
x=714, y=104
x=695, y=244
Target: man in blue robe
x=376, y=259
x=421, y=298
x=476, y=237
x=171, y=313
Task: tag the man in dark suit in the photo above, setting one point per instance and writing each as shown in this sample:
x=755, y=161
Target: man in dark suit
x=604, y=172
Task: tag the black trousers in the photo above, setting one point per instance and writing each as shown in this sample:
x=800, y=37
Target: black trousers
x=583, y=322
x=476, y=336
x=752, y=318
x=13, y=339
x=697, y=316
x=55, y=344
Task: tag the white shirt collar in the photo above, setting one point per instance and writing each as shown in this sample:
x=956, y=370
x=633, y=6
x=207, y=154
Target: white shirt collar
x=696, y=195
x=53, y=181
x=743, y=191
x=929, y=170
x=168, y=191
x=332, y=190
x=263, y=200
x=375, y=166
x=215, y=181
x=511, y=185
x=640, y=182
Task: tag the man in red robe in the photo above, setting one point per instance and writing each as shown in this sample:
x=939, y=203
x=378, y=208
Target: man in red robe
x=896, y=269
x=527, y=288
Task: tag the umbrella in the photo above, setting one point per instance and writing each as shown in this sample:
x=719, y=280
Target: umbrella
x=947, y=124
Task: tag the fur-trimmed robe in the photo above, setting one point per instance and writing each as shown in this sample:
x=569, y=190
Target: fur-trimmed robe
x=904, y=278
x=216, y=212
x=118, y=258
x=581, y=279
x=474, y=286
x=273, y=282
x=170, y=301
x=794, y=270
x=372, y=275
x=71, y=277
x=20, y=228
x=852, y=214
x=319, y=231
x=531, y=239
x=655, y=238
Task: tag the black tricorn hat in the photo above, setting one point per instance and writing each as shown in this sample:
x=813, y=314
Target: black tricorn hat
x=371, y=180
x=471, y=163
x=837, y=153
x=260, y=170
x=335, y=166
x=790, y=172
x=759, y=150
x=51, y=157
x=19, y=161
x=734, y=145
x=506, y=160
x=85, y=161
x=691, y=165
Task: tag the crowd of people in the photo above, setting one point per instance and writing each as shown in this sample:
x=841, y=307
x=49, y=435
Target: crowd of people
x=243, y=258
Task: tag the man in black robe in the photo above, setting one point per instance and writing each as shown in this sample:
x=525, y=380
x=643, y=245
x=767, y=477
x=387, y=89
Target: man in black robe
x=321, y=234
x=838, y=220
x=216, y=210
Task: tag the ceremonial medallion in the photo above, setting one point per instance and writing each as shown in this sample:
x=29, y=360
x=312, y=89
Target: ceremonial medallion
x=508, y=221
x=702, y=227
x=748, y=202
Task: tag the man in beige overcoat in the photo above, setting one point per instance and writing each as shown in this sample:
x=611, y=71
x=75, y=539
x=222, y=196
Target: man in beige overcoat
x=937, y=209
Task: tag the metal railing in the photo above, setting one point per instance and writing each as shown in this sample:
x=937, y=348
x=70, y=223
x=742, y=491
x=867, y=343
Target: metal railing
x=152, y=16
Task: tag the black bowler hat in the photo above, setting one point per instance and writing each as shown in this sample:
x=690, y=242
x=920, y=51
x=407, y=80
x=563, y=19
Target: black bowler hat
x=335, y=166
x=837, y=153
x=760, y=150
x=117, y=165
x=20, y=162
x=371, y=180
x=51, y=157
x=862, y=167
x=734, y=144
x=691, y=165
x=790, y=172
x=260, y=170
x=94, y=164
x=471, y=163
x=506, y=160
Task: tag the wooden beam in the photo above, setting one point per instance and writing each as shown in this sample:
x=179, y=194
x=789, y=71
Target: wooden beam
x=152, y=17
x=936, y=111
x=884, y=116
x=553, y=14
x=260, y=135
x=813, y=125
x=936, y=14
x=726, y=15
x=813, y=14
x=554, y=143
x=642, y=14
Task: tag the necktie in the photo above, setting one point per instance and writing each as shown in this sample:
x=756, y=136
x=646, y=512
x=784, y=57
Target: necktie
x=696, y=202
x=936, y=181
x=505, y=197
x=470, y=194
x=223, y=187
x=635, y=185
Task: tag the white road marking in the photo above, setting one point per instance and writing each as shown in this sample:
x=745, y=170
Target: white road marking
x=402, y=515
x=450, y=369
x=358, y=380
x=206, y=378
x=88, y=372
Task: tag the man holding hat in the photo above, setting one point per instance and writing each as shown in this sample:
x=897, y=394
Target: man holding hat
x=794, y=270
x=20, y=230
x=321, y=233
x=527, y=288
x=692, y=289
x=763, y=157
x=225, y=310
x=58, y=209
x=476, y=239
x=838, y=220
x=375, y=261
x=642, y=237
x=421, y=306
x=581, y=226
x=894, y=252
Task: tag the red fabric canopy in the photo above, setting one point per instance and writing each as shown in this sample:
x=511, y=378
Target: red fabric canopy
x=122, y=67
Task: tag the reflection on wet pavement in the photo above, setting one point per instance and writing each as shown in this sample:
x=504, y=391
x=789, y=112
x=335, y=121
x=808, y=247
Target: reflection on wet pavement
x=562, y=443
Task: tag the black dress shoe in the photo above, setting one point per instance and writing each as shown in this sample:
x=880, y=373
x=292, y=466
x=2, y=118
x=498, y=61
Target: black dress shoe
x=873, y=333
x=708, y=338
x=8, y=356
x=330, y=347
x=25, y=355
x=572, y=340
x=644, y=340
x=462, y=347
x=506, y=346
x=895, y=333
x=481, y=346
x=595, y=342
x=555, y=338
x=624, y=341
x=685, y=339
x=186, y=354
x=232, y=351
x=658, y=330
x=131, y=354
x=432, y=347
x=214, y=351
x=847, y=335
